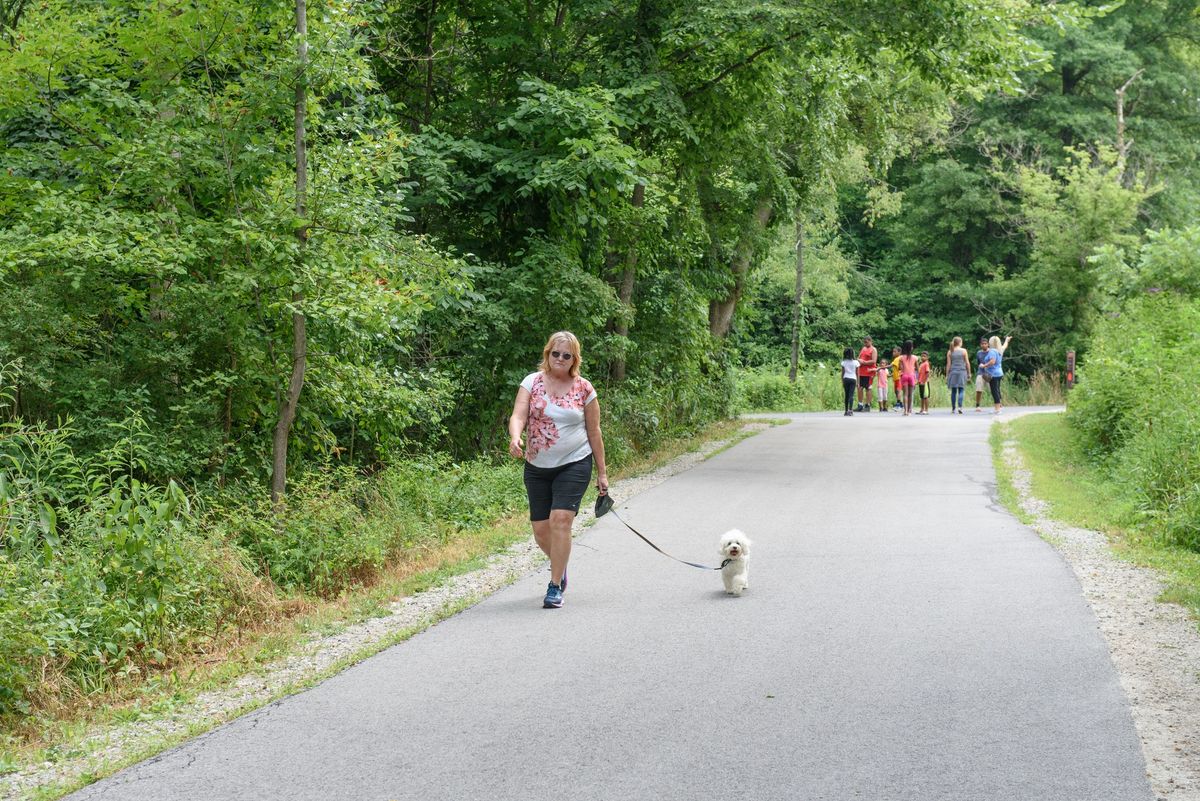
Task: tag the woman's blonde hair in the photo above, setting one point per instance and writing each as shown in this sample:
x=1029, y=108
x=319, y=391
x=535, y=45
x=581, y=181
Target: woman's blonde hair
x=572, y=345
x=994, y=343
x=956, y=343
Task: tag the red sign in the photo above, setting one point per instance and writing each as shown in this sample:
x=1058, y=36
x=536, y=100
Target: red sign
x=1070, y=368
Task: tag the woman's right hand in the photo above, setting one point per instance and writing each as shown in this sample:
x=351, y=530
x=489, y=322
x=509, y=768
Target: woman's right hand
x=514, y=448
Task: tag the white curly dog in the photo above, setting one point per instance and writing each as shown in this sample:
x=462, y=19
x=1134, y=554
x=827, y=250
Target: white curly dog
x=735, y=547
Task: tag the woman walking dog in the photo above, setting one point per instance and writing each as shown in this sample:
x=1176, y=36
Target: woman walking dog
x=557, y=411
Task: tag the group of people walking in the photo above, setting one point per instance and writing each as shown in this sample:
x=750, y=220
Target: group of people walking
x=872, y=374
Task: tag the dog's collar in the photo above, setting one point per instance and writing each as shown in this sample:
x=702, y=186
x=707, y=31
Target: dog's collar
x=727, y=561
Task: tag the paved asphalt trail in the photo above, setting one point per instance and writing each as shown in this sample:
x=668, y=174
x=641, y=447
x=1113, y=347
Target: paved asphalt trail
x=903, y=638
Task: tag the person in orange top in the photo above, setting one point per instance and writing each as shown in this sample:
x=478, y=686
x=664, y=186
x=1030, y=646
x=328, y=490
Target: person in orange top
x=866, y=371
x=923, y=382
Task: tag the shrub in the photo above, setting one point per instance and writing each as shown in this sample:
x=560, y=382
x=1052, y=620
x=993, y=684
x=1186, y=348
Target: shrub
x=769, y=390
x=1134, y=409
x=428, y=498
x=102, y=575
x=638, y=417
x=317, y=541
x=338, y=528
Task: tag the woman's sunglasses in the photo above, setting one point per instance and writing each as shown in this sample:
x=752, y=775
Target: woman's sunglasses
x=566, y=356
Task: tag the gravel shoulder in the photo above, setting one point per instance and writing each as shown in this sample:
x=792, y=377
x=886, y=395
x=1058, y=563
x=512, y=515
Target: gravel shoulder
x=1155, y=646
x=104, y=749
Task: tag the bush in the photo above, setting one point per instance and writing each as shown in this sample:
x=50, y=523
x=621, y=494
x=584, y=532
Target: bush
x=429, y=498
x=1134, y=409
x=1161, y=468
x=127, y=591
x=638, y=417
x=317, y=541
x=102, y=575
x=338, y=528
x=768, y=389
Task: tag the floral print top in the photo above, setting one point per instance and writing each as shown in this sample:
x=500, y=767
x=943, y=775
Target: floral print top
x=556, y=434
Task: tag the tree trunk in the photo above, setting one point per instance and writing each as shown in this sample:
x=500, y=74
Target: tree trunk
x=625, y=284
x=291, y=401
x=720, y=312
x=1123, y=144
x=430, y=25
x=797, y=300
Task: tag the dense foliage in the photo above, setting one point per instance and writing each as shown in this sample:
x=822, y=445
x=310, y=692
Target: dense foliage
x=1135, y=406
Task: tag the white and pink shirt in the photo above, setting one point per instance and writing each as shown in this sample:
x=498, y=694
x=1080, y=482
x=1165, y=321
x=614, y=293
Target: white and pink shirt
x=556, y=434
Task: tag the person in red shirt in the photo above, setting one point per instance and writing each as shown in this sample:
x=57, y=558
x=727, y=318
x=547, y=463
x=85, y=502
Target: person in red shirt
x=866, y=371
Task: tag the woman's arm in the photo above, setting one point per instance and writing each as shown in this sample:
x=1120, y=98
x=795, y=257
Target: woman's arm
x=516, y=422
x=591, y=420
x=949, y=353
x=1004, y=346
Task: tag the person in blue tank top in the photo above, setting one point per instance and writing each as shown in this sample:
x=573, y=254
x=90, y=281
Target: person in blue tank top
x=994, y=370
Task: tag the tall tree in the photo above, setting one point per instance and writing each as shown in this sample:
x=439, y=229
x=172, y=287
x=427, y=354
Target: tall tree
x=289, y=400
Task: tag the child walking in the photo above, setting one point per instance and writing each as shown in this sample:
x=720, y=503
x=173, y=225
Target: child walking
x=881, y=384
x=849, y=379
x=923, y=382
x=908, y=374
x=896, y=394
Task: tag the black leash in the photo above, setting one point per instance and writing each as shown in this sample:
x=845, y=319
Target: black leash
x=604, y=505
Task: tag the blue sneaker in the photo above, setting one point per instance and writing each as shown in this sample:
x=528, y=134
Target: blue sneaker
x=553, y=598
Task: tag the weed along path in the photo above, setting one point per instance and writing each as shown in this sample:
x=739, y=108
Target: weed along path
x=902, y=638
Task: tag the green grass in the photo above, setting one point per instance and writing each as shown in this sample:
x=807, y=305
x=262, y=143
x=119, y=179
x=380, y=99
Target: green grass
x=1080, y=494
x=1007, y=492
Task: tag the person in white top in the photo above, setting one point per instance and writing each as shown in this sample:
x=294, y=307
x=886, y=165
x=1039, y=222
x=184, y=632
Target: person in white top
x=849, y=379
x=557, y=411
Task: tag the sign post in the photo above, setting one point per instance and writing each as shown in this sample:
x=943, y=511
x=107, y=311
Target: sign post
x=1070, y=369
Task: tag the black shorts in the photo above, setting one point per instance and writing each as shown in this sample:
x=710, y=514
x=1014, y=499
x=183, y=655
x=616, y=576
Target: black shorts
x=556, y=487
x=923, y=391
x=864, y=381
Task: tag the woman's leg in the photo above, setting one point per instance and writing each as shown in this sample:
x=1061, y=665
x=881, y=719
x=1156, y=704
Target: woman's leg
x=555, y=541
x=539, y=486
x=995, y=386
x=554, y=538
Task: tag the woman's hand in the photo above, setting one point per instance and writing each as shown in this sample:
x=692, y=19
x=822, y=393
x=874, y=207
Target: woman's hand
x=516, y=423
